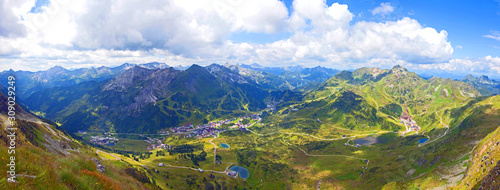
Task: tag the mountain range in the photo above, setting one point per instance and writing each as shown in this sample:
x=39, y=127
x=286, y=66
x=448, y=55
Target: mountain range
x=142, y=99
x=483, y=84
x=58, y=76
x=167, y=96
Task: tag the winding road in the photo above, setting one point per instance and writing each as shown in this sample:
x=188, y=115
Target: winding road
x=97, y=152
x=439, y=137
x=215, y=147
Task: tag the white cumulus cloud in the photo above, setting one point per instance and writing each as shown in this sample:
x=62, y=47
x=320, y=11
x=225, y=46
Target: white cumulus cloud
x=487, y=65
x=494, y=35
x=93, y=33
x=383, y=9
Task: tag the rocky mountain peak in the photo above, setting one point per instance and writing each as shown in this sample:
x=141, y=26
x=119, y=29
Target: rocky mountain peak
x=485, y=80
x=125, y=79
x=398, y=68
x=56, y=70
x=214, y=68
x=469, y=77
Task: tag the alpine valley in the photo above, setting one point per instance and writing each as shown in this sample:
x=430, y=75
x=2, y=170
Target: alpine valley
x=236, y=126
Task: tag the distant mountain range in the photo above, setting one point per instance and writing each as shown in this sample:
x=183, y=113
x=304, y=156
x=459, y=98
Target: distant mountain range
x=483, y=84
x=30, y=82
x=151, y=96
x=283, y=77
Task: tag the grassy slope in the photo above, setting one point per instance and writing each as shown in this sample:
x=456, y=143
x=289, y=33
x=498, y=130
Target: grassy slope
x=477, y=167
x=76, y=171
x=55, y=159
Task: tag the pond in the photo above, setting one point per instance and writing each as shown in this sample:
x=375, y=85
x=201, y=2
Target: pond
x=242, y=172
x=368, y=140
x=224, y=145
x=422, y=141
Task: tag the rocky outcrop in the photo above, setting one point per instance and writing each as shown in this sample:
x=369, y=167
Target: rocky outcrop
x=98, y=165
x=492, y=180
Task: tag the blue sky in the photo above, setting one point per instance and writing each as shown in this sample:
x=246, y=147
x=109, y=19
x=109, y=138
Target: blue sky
x=38, y=6
x=446, y=38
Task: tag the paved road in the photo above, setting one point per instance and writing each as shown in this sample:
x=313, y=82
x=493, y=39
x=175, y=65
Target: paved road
x=310, y=155
x=303, y=134
x=439, y=137
x=492, y=99
x=215, y=147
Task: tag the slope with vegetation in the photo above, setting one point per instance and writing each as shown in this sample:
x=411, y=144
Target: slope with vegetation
x=46, y=156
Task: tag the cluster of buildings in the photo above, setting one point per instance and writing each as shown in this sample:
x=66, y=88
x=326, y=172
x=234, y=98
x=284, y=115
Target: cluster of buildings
x=240, y=126
x=200, y=131
x=211, y=128
x=164, y=132
x=271, y=105
x=152, y=140
x=184, y=128
x=232, y=173
x=407, y=121
x=157, y=144
x=102, y=140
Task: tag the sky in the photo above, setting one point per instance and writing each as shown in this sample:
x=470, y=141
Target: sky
x=443, y=38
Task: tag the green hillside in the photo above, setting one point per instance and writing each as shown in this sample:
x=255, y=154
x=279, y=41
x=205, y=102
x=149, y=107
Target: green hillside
x=46, y=157
x=373, y=99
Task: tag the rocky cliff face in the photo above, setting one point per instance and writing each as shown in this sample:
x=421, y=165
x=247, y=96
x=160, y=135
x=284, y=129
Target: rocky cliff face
x=139, y=85
x=125, y=80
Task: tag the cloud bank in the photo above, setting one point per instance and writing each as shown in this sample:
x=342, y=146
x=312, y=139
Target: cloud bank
x=94, y=33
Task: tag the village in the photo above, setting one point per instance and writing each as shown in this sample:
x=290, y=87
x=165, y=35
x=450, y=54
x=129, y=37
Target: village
x=212, y=128
x=406, y=119
x=100, y=140
x=157, y=144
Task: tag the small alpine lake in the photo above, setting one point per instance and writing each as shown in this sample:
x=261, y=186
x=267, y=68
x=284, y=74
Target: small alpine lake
x=224, y=145
x=366, y=141
x=422, y=141
x=242, y=172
